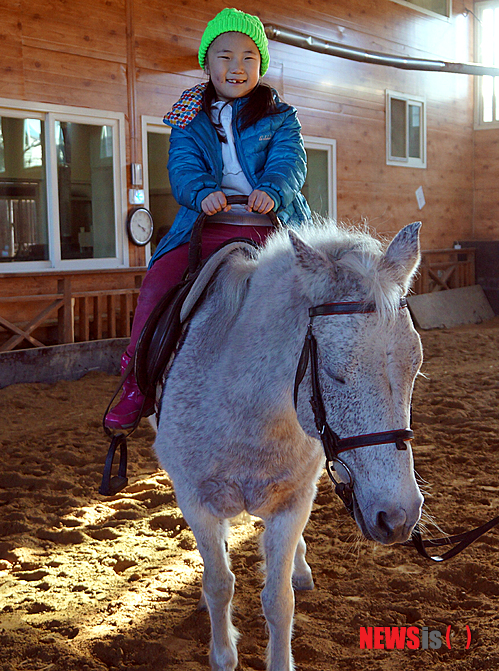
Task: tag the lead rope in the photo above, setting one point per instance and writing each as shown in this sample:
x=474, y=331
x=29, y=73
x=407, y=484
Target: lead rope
x=462, y=540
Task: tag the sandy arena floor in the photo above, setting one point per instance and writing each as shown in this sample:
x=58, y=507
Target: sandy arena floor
x=90, y=584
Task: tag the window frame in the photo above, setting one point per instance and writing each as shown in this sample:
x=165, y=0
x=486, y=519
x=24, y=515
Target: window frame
x=49, y=114
x=155, y=125
x=408, y=161
x=329, y=145
x=428, y=12
x=480, y=124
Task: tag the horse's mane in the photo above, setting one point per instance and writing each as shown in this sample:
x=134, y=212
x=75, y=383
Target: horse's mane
x=357, y=256
x=354, y=252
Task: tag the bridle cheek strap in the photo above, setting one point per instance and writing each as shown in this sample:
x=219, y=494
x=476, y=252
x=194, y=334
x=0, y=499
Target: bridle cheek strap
x=333, y=444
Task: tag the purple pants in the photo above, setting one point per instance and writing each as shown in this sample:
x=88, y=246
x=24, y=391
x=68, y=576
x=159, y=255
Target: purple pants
x=167, y=271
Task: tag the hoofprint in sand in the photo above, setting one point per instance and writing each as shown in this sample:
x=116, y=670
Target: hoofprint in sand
x=93, y=583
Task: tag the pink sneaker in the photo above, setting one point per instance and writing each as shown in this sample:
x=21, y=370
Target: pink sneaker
x=132, y=401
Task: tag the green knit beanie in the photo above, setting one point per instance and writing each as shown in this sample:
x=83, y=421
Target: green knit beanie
x=233, y=20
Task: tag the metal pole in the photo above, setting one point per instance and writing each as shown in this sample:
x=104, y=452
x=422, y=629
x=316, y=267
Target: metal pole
x=321, y=46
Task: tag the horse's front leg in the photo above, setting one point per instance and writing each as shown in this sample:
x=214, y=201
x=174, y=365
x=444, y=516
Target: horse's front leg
x=281, y=540
x=218, y=584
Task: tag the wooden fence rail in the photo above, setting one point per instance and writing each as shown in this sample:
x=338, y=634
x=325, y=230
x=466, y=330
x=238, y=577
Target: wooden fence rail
x=81, y=312
x=445, y=269
x=80, y=315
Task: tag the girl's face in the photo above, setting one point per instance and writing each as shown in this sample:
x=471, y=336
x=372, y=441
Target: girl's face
x=233, y=63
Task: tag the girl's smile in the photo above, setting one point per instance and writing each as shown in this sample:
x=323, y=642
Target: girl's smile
x=233, y=63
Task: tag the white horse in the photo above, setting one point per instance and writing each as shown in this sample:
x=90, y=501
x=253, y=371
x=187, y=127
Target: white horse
x=229, y=435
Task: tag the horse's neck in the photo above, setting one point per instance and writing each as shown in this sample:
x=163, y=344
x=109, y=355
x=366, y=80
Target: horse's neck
x=268, y=337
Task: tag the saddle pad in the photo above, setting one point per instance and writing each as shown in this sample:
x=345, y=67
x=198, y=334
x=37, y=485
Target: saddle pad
x=209, y=269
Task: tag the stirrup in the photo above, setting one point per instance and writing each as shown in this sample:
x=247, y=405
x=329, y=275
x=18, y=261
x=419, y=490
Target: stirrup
x=112, y=485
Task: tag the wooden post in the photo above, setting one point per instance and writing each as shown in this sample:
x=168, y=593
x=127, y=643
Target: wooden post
x=111, y=316
x=99, y=316
x=125, y=311
x=66, y=312
x=84, y=312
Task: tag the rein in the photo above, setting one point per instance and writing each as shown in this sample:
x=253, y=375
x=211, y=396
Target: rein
x=334, y=445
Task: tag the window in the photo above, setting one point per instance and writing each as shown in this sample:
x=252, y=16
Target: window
x=61, y=193
x=158, y=192
x=23, y=189
x=440, y=8
x=319, y=188
x=487, y=44
x=2, y=149
x=405, y=130
x=33, y=143
x=85, y=190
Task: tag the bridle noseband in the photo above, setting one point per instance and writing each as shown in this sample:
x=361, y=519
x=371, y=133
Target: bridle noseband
x=333, y=445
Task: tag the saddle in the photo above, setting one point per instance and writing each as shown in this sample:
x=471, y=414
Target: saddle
x=162, y=333
x=161, y=336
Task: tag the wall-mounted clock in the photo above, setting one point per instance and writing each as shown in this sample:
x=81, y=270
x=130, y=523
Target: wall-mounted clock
x=140, y=226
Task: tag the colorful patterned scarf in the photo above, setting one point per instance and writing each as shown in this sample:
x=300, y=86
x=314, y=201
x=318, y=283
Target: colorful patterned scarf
x=187, y=107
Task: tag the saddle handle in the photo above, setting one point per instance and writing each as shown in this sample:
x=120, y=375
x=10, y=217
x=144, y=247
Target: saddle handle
x=197, y=230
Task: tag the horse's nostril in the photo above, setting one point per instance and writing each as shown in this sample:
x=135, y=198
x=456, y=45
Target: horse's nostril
x=383, y=523
x=392, y=525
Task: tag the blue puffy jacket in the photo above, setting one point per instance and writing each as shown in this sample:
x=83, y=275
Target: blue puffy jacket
x=271, y=154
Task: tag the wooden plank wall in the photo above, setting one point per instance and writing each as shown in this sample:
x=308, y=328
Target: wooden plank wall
x=75, y=53
x=486, y=219
x=68, y=53
x=346, y=100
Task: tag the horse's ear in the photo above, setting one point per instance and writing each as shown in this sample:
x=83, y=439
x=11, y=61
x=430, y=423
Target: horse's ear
x=402, y=256
x=315, y=271
x=308, y=257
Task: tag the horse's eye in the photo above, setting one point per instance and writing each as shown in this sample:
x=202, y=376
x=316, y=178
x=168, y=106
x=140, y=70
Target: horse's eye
x=334, y=376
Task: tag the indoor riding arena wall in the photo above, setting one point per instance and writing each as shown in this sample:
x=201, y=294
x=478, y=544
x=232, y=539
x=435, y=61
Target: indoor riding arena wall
x=137, y=57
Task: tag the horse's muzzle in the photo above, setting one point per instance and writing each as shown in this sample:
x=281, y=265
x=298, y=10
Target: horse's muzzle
x=388, y=524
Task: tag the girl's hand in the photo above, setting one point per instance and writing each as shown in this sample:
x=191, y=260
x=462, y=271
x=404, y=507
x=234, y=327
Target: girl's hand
x=259, y=201
x=215, y=202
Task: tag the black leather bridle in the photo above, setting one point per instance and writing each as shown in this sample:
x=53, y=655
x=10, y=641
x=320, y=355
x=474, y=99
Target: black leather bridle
x=334, y=445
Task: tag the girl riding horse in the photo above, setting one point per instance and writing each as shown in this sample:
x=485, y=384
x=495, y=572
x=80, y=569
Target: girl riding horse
x=230, y=136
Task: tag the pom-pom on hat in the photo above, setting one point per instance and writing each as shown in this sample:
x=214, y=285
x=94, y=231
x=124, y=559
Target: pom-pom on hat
x=233, y=20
